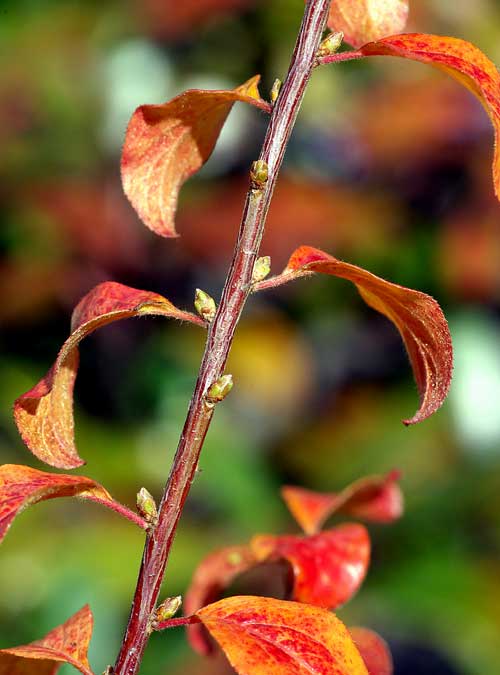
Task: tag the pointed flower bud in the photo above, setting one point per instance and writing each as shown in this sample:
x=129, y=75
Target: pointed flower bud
x=275, y=90
x=219, y=389
x=168, y=608
x=261, y=269
x=331, y=44
x=259, y=173
x=204, y=305
x=146, y=506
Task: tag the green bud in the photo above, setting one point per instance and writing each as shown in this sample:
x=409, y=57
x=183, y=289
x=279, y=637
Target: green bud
x=219, y=389
x=259, y=173
x=261, y=268
x=168, y=608
x=275, y=90
x=204, y=305
x=146, y=506
x=331, y=44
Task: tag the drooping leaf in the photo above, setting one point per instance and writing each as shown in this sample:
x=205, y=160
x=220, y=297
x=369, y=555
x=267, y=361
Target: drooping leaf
x=459, y=58
x=417, y=316
x=212, y=576
x=264, y=636
x=328, y=568
x=44, y=414
x=67, y=643
x=374, y=650
x=365, y=20
x=166, y=144
x=375, y=498
x=21, y=486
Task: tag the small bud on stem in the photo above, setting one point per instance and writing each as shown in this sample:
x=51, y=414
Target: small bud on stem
x=146, y=506
x=261, y=269
x=259, y=174
x=275, y=90
x=331, y=44
x=219, y=389
x=204, y=305
x=167, y=609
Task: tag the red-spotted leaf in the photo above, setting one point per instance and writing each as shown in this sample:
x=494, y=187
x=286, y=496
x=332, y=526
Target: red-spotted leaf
x=264, y=636
x=166, y=144
x=44, y=414
x=67, y=643
x=459, y=58
x=211, y=577
x=328, y=568
x=375, y=498
x=374, y=650
x=417, y=316
x=364, y=20
x=21, y=486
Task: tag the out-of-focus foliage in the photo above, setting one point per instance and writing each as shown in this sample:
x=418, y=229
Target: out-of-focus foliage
x=390, y=168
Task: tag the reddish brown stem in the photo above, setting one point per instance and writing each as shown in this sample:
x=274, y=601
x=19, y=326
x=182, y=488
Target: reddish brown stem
x=121, y=509
x=220, y=336
x=337, y=58
x=177, y=621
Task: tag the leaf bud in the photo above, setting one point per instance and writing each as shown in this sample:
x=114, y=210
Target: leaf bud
x=259, y=173
x=331, y=44
x=168, y=608
x=261, y=269
x=109, y=671
x=219, y=389
x=146, y=506
x=204, y=305
x=275, y=90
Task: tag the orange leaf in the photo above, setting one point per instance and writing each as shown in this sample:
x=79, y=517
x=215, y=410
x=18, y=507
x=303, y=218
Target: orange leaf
x=67, y=643
x=465, y=62
x=44, y=414
x=211, y=577
x=364, y=20
x=375, y=498
x=166, y=144
x=263, y=636
x=374, y=650
x=417, y=316
x=21, y=486
x=328, y=568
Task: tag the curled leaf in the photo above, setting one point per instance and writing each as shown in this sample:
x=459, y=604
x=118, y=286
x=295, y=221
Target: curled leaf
x=459, y=58
x=44, y=414
x=263, y=635
x=214, y=574
x=67, y=643
x=21, y=486
x=374, y=650
x=328, y=568
x=364, y=20
x=417, y=316
x=375, y=498
x=165, y=144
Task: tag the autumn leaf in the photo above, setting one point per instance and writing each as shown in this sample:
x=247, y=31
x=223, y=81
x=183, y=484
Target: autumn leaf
x=375, y=498
x=44, y=414
x=374, y=650
x=417, y=316
x=166, y=144
x=328, y=568
x=214, y=574
x=364, y=20
x=263, y=635
x=67, y=643
x=21, y=486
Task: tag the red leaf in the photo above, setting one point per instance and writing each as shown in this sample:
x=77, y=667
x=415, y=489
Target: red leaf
x=465, y=62
x=44, y=414
x=364, y=20
x=211, y=577
x=67, y=643
x=417, y=316
x=374, y=650
x=376, y=498
x=328, y=568
x=21, y=486
x=263, y=636
x=166, y=144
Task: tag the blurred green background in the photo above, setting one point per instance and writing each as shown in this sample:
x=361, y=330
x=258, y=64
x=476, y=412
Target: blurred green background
x=390, y=168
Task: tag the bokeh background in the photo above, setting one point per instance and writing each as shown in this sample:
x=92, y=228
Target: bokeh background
x=390, y=168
